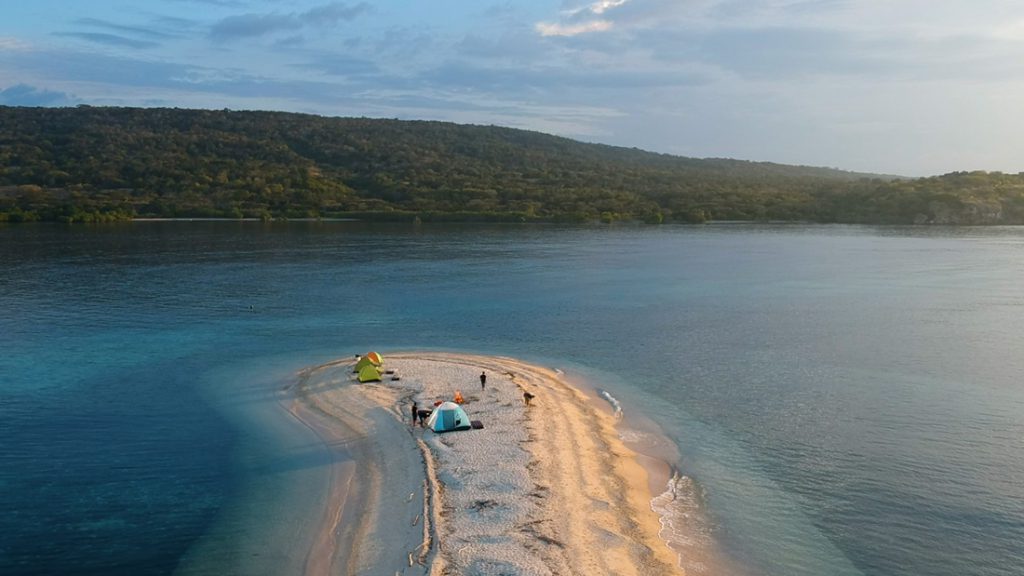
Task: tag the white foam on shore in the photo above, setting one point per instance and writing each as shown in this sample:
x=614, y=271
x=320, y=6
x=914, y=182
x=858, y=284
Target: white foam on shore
x=634, y=436
x=684, y=526
x=613, y=401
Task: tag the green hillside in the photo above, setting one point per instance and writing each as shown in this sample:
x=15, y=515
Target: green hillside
x=96, y=164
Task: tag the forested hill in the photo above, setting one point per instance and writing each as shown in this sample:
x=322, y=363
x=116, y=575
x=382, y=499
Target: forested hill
x=95, y=164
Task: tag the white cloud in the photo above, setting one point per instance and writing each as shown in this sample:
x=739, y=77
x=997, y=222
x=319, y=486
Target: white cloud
x=603, y=6
x=556, y=29
x=582, y=20
x=1012, y=31
x=10, y=44
x=597, y=7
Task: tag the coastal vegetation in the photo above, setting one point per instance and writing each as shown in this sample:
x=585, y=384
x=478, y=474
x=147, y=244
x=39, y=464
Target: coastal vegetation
x=92, y=164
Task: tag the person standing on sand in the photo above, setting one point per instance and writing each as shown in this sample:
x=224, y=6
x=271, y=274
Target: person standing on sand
x=483, y=380
x=415, y=412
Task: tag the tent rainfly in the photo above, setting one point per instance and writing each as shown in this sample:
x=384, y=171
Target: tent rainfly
x=447, y=417
x=376, y=358
x=369, y=374
x=362, y=363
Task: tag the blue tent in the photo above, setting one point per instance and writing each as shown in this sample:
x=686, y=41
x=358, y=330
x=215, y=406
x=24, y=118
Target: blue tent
x=447, y=417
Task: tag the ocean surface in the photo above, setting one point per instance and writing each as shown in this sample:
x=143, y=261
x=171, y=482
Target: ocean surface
x=844, y=400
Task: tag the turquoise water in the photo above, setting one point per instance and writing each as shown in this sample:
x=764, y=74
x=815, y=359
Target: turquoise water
x=846, y=400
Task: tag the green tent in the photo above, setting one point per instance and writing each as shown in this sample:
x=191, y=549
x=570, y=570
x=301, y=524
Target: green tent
x=369, y=374
x=362, y=363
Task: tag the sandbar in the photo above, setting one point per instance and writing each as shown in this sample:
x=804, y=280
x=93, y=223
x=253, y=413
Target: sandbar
x=548, y=488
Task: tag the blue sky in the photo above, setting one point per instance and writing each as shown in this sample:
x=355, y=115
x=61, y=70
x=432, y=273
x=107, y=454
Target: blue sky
x=909, y=87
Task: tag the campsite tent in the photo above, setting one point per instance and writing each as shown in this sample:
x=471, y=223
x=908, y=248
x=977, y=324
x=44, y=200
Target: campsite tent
x=447, y=417
x=369, y=374
x=362, y=363
x=376, y=358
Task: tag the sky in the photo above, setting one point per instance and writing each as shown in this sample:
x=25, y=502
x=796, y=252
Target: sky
x=907, y=87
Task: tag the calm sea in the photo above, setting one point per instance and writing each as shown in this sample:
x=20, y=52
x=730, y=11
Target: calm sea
x=845, y=400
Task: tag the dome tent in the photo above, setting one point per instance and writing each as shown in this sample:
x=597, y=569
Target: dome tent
x=447, y=417
x=371, y=359
x=369, y=374
x=362, y=363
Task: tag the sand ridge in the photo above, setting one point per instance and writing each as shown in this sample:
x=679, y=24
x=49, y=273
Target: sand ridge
x=544, y=489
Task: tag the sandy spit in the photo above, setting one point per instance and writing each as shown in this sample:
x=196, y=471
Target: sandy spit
x=542, y=489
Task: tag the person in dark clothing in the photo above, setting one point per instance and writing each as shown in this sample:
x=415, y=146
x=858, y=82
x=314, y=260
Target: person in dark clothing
x=415, y=412
x=483, y=380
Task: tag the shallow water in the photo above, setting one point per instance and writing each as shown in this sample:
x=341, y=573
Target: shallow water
x=845, y=400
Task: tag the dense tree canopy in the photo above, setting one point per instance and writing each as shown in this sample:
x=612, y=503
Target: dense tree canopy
x=98, y=164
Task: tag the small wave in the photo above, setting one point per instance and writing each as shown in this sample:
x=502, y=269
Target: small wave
x=683, y=524
x=613, y=401
x=633, y=436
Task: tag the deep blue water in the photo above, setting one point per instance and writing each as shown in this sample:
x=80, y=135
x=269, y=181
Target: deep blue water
x=849, y=399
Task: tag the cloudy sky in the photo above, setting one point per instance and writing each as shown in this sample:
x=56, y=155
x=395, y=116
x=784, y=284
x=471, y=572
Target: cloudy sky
x=912, y=87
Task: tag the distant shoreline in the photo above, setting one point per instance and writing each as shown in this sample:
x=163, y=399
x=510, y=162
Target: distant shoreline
x=724, y=223
x=244, y=220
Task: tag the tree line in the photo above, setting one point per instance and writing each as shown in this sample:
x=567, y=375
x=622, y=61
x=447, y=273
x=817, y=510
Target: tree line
x=92, y=164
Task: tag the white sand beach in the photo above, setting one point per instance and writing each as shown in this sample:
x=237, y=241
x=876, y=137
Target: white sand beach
x=548, y=488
